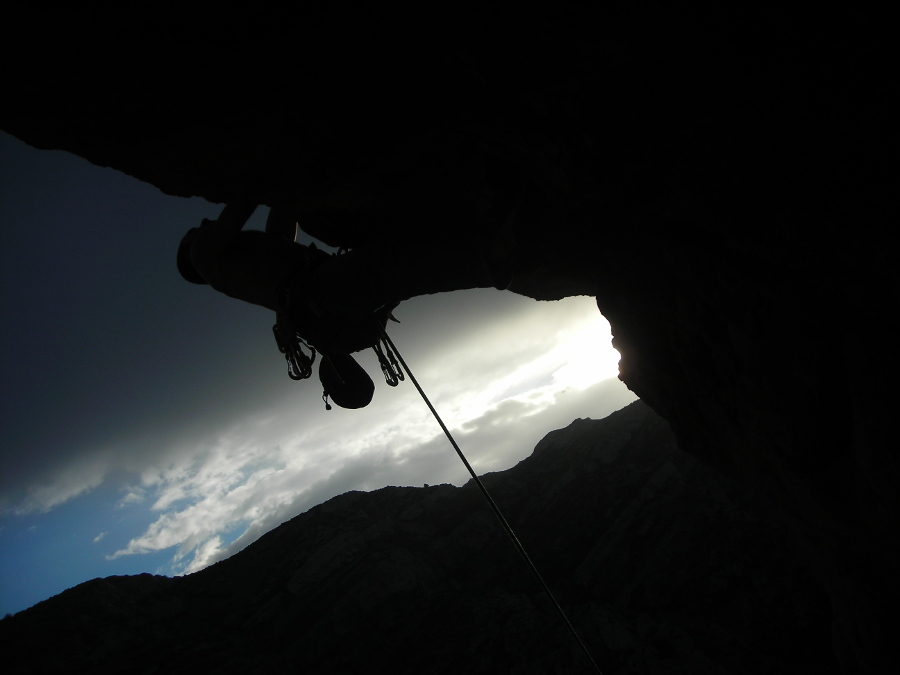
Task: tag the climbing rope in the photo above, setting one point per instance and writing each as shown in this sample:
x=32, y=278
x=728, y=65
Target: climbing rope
x=496, y=509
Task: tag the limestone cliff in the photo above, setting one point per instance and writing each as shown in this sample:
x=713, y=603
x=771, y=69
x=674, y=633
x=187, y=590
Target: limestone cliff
x=718, y=178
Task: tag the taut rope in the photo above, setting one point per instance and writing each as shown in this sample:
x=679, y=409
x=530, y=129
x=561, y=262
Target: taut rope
x=496, y=509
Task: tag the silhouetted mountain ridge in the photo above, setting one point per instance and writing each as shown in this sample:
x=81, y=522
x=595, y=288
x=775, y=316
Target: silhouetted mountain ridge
x=661, y=564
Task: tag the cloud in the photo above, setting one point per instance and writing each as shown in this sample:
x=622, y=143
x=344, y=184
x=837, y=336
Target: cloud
x=236, y=482
x=207, y=554
x=207, y=493
x=367, y=471
x=99, y=537
x=78, y=477
x=236, y=488
x=134, y=495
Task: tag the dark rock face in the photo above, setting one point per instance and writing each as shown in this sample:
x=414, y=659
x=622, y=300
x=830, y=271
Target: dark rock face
x=718, y=179
x=661, y=564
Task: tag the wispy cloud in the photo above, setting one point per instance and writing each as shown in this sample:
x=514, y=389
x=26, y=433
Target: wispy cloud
x=133, y=495
x=78, y=477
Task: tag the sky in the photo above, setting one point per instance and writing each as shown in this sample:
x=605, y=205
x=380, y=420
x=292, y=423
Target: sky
x=149, y=425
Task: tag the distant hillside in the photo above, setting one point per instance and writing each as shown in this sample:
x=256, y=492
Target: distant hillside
x=661, y=565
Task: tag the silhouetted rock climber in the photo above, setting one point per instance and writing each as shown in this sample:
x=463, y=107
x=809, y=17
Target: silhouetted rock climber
x=333, y=304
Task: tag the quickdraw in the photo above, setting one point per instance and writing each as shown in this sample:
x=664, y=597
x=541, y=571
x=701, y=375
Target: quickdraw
x=393, y=373
x=291, y=345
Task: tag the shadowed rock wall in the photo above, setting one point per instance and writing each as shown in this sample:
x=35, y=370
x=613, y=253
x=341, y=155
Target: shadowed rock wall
x=718, y=179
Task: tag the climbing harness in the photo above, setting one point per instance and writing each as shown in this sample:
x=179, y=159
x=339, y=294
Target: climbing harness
x=496, y=509
x=343, y=379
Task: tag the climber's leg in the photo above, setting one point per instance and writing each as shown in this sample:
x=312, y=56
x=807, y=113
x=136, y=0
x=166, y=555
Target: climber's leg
x=282, y=223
